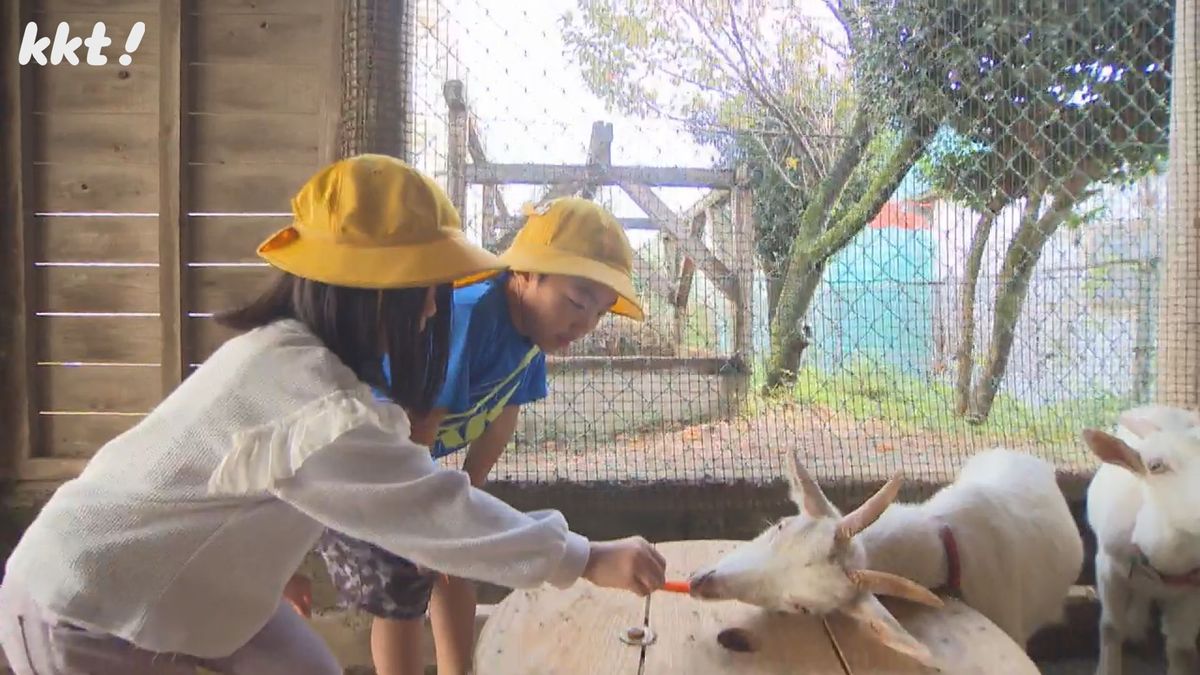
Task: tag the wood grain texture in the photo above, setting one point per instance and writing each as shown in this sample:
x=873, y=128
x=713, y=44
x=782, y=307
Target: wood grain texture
x=100, y=138
x=552, y=632
x=226, y=239
x=113, y=239
x=80, y=436
x=102, y=389
x=95, y=188
x=98, y=339
x=97, y=289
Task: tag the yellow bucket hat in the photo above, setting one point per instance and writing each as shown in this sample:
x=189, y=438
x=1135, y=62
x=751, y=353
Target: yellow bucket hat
x=577, y=237
x=372, y=221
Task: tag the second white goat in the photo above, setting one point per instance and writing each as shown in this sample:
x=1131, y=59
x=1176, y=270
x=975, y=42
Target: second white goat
x=1144, y=506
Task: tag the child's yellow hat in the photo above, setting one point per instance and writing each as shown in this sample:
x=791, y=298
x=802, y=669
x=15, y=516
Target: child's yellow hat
x=577, y=237
x=372, y=221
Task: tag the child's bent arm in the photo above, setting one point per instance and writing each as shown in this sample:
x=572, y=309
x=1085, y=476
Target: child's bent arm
x=370, y=486
x=485, y=450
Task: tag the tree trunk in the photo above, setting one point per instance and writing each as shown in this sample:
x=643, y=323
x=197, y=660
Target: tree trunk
x=1019, y=264
x=965, y=355
x=813, y=248
x=774, y=289
x=1178, y=362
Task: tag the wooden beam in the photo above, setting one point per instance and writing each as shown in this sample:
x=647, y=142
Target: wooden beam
x=541, y=174
x=456, y=153
x=173, y=185
x=742, y=241
x=18, y=417
x=599, y=156
x=628, y=223
x=657, y=209
x=702, y=365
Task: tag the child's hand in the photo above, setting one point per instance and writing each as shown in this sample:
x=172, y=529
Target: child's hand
x=631, y=564
x=298, y=592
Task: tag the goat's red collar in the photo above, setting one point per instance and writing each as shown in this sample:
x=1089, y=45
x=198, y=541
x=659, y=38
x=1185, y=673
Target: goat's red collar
x=1189, y=578
x=953, y=562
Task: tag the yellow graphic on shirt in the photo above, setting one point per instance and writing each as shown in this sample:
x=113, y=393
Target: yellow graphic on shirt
x=459, y=429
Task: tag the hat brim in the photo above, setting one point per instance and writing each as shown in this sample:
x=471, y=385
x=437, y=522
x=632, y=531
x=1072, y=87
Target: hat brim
x=451, y=259
x=545, y=260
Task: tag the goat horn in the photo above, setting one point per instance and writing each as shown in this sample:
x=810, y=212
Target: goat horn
x=869, y=511
x=814, y=501
x=886, y=583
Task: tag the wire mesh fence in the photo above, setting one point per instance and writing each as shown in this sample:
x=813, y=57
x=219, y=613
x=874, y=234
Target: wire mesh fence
x=884, y=233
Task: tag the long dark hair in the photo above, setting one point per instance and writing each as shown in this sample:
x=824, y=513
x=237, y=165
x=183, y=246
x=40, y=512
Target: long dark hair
x=361, y=325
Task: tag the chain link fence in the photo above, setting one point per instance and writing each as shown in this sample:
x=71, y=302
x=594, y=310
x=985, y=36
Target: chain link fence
x=884, y=233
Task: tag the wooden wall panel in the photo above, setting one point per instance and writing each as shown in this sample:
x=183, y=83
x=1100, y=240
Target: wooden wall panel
x=216, y=289
x=100, y=138
x=97, y=289
x=99, y=339
x=103, y=389
x=80, y=436
x=94, y=188
x=114, y=239
x=229, y=239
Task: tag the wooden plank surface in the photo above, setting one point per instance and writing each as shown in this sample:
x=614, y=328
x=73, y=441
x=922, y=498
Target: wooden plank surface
x=687, y=629
x=173, y=195
x=123, y=239
x=18, y=424
x=81, y=435
x=264, y=6
x=101, y=138
x=552, y=632
x=249, y=88
x=245, y=188
x=963, y=641
x=216, y=289
x=205, y=336
x=117, y=25
x=121, y=389
x=98, y=339
x=96, y=289
x=50, y=468
x=95, y=188
x=143, y=7
x=255, y=138
x=97, y=89
x=282, y=39
x=225, y=239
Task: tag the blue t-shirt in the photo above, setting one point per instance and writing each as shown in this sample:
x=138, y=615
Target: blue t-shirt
x=490, y=366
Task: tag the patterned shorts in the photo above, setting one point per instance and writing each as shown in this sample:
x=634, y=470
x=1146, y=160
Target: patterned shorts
x=370, y=579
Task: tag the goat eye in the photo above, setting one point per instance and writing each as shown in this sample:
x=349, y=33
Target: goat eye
x=1157, y=466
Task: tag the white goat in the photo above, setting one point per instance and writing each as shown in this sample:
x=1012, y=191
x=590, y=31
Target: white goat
x=1002, y=534
x=813, y=562
x=1144, y=506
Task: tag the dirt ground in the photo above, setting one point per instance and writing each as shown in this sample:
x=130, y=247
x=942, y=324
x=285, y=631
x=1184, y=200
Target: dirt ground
x=753, y=447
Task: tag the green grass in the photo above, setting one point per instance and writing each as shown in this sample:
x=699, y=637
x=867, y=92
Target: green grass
x=867, y=389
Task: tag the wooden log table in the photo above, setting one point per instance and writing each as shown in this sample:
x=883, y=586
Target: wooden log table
x=584, y=630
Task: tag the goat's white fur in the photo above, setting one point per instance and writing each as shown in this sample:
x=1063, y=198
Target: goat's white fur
x=1158, y=511
x=1019, y=548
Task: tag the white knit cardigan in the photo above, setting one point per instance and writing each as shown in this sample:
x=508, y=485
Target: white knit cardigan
x=179, y=534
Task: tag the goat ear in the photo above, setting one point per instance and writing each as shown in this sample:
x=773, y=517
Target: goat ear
x=1113, y=450
x=884, y=627
x=806, y=493
x=1138, y=425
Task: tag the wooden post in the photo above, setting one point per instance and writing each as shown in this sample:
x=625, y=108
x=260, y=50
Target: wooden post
x=599, y=157
x=377, y=72
x=1178, y=362
x=742, y=261
x=456, y=154
x=18, y=414
x=172, y=189
x=685, y=268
